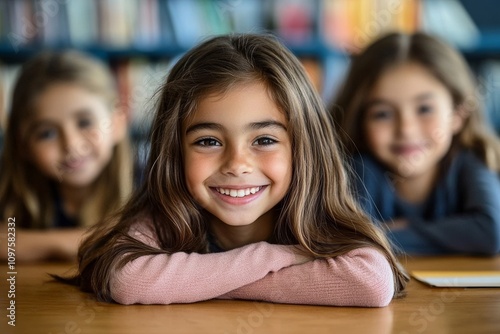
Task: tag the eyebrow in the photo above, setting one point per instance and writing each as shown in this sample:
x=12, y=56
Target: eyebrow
x=423, y=96
x=251, y=126
x=78, y=113
x=204, y=126
x=267, y=124
x=37, y=122
x=82, y=112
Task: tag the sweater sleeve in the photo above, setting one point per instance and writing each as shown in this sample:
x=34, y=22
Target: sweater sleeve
x=186, y=278
x=476, y=228
x=362, y=277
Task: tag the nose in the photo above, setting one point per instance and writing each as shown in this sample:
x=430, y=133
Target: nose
x=237, y=161
x=73, y=142
x=407, y=124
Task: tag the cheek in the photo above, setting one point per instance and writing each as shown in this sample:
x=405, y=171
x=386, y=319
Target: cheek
x=279, y=168
x=441, y=130
x=44, y=157
x=195, y=170
x=192, y=179
x=98, y=138
x=376, y=135
x=97, y=141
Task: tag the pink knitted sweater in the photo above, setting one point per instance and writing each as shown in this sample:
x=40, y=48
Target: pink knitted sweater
x=259, y=271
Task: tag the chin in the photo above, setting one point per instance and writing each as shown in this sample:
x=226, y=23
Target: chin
x=240, y=223
x=236, y=221
x=79, y=183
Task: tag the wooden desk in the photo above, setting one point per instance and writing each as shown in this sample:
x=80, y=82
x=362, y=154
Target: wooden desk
x=48, y=307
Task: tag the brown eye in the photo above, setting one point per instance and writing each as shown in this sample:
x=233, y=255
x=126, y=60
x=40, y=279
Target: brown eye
x=381, y=115
x=45, y=134
x=265, y=141
x=424, y=109
x=208, y=142
x=84, y=123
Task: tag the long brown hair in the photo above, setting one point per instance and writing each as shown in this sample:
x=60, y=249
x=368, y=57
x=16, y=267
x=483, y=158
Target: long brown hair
x=319, y=212
x=24, y=191
x=441, y=60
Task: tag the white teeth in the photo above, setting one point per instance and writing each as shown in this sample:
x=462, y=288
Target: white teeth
x=238, y=192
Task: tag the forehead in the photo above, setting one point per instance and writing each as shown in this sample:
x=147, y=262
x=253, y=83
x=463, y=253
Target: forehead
x=406, y=81
x=240, y=104
x=62, y=100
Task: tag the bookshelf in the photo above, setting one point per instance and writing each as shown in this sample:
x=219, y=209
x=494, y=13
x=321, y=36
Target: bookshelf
x=140, y=39
x=134, y=36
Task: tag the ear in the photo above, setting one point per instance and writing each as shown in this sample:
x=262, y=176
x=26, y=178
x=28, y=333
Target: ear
x=120, y=125
x=458, y=119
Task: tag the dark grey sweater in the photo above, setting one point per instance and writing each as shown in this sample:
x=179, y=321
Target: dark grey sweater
x=462, y=214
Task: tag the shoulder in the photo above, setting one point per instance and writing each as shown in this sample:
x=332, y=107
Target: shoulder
x=468, y=166
x=363, y=160
x=364, y=164
x=367, y=172
x=469, y=158
x=472, y=181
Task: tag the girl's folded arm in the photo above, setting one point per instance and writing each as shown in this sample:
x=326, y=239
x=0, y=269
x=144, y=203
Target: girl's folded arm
x=362, y=277
x=186, y=278
x=41, y=245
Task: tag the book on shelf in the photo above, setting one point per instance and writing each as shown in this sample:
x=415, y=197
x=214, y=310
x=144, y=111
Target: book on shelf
x=8, y=76
x=51, y=19
x=351, y=25
x=138, y=81
x=82, y=22
x=244, y=16
x=489, y=89
x=449, y=20
x=294, y=20
x=3, y=113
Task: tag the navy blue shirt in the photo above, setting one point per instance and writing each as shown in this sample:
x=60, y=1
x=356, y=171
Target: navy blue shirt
x=462, y=214
x=61, y=220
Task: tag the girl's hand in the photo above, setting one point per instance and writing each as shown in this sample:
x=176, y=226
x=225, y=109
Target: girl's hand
x=36, y=245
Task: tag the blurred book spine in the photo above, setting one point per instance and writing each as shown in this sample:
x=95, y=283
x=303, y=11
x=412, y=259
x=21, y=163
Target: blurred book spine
x=8, y=76
x=350, y=25
x=449, y=20
x=489, y=91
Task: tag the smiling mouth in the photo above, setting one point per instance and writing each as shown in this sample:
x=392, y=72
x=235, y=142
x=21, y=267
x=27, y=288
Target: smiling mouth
x=409, y=149
x=73, y=164
x=238, y=192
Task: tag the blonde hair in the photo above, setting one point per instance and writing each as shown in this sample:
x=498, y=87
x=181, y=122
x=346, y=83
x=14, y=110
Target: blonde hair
x=24, y=192
x=443, y=62
x=318, y=212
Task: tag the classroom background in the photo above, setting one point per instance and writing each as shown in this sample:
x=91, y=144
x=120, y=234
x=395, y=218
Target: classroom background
x=140, y=39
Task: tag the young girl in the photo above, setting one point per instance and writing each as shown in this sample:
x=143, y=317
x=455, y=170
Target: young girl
x=66, y=160
x=246, y=195
x=428, y=164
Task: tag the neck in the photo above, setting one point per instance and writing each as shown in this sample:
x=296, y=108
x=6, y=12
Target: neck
x=229, y=237
x=416, y=189
x=73, y=198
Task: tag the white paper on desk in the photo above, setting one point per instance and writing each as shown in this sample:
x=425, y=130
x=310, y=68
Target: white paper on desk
x=465, y=279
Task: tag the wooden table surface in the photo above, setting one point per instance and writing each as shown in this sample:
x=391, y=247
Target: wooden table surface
x=44, y=306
